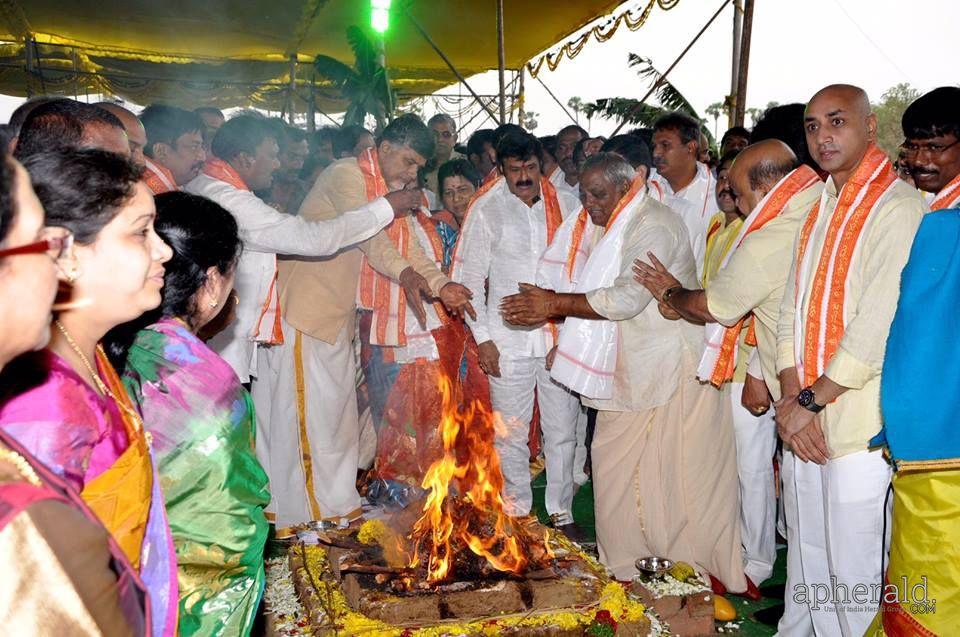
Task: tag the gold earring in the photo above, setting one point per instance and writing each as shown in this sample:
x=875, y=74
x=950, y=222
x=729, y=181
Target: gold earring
x=72, y=274
x=213, y=304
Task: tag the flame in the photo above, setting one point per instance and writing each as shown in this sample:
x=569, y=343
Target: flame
x=464, y=508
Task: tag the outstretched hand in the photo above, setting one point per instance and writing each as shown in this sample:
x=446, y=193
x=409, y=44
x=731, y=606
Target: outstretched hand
x=456, y=298
x=529, y=307
x=656, y=278
x=416, y=289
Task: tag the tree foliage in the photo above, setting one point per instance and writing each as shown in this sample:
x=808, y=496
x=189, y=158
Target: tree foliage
x=668, y=97
x=889, y=111
x=364, y=85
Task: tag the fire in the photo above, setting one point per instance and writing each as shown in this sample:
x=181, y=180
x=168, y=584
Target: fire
x=464, y=508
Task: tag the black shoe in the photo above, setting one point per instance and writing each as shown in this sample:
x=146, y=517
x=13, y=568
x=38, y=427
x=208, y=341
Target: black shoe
x=575, y=534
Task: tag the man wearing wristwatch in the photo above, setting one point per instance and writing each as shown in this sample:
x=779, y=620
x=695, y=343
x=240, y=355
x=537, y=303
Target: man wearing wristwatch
x=774, y=195
x=837, y=307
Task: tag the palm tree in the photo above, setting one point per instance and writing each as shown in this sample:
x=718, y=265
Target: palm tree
x=364, y=85
x=669, y=97
x=714, y=111
x=576, y=105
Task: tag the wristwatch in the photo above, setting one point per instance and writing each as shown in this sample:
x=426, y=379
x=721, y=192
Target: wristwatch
x=808, y=400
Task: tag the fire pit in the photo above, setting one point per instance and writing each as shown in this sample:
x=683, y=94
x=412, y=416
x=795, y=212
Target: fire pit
x=457, y=563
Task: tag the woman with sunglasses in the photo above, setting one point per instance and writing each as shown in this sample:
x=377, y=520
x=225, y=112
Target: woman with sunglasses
x=66, y=404
x=202, y=421
x=64, y=573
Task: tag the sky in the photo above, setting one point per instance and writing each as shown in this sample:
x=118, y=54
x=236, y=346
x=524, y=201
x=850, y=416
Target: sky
x=798, y=47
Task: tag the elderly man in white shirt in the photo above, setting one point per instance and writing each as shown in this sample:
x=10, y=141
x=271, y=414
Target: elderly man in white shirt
x=664, y=463
x=680, y=181
x=245, y=158
x=507, y=228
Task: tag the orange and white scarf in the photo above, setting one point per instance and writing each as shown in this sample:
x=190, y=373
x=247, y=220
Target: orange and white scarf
x=377, y=292
x=948, y=197
x=822, y=287
x=719, y=360
x=267, y=329
x=158, y=177
x=577, y=261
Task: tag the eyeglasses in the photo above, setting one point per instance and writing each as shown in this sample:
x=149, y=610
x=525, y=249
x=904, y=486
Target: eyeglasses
x=57, y=246
x=935, y=150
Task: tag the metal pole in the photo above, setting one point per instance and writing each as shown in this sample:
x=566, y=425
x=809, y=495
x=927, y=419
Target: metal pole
x=744, y=64
x=735, y=62
x=312, y=107
x=292, y=89
x=522, y=97
x=501, y=61
x=675, y=62
x=433, y=45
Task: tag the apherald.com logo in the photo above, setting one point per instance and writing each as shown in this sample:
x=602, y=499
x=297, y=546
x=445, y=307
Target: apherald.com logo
x=861, y=597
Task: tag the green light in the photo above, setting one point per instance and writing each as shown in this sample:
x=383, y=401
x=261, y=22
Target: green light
x=380, y=15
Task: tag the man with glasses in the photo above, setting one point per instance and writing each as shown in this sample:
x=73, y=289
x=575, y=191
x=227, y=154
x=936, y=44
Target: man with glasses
x=445, y=136
x=931, y=151
x=174, y=150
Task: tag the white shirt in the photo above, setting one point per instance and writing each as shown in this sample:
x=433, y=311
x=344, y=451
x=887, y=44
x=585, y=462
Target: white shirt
x=559, y=180
x=501, y=242
x=696, y=204
x=265, y=233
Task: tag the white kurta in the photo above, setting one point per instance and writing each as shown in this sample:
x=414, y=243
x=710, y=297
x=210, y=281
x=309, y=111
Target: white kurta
x=696, y=204
x=501, y=243
x=266, y=233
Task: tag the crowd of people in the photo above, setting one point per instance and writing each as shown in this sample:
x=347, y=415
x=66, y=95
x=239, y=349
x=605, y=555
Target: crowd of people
x=215, y=330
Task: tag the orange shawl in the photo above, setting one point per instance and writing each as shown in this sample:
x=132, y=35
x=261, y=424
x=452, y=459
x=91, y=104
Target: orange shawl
x=158, y=177
x=825, y=321
x=949, y=197
x=797, y=181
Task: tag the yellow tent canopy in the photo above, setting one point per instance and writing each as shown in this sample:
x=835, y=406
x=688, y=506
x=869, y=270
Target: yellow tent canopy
x=240, y=52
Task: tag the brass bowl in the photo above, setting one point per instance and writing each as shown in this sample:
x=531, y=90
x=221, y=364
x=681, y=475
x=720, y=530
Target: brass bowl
x=653, y=566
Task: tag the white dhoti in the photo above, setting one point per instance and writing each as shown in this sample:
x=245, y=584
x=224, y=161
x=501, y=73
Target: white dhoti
x=836, y=517
x=308, y=441
x=756, y=444
x=665, y=481
x=512, y=396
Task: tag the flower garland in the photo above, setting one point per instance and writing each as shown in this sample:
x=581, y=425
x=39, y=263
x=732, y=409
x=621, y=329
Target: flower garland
x=600, y=619
x=280, y=599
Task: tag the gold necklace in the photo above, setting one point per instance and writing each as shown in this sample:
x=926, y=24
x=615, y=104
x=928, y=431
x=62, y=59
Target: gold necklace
x=102, y=386
x=20, y=464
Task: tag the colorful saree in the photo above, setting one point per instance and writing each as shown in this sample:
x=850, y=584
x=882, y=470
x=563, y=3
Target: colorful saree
x=202, y=423
x=93, y=444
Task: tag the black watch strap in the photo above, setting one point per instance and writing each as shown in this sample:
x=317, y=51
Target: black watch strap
x=808, y=400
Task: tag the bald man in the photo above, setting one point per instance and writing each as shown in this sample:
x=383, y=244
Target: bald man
x=836, y=312
x=774, y=195
x=136, y=135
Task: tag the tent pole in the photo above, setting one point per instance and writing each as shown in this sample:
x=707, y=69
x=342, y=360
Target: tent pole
x=501, y=55
x=663, y=77
x=433, y=45
x=741, y=103
x=559, y=103
x=312, y=108
x=522, y=96
x=735, y=66
x=293, y=87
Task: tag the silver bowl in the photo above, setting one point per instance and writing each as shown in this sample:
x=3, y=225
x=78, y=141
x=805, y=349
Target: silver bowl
x=653, y=566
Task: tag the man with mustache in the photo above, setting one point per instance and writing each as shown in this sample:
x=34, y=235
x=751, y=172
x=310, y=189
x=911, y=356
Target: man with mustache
x=931, y=126
x=309, y=431
x=507, y=227
x=664, y=463
x=837, y=308
x=775, y=195
x=174, y=149
x=683, y=183
x=569, y=174
x=444, y=130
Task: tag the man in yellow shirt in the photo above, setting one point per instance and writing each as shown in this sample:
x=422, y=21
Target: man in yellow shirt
x=775, y=195
x=724, y=226
x=836, y=312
